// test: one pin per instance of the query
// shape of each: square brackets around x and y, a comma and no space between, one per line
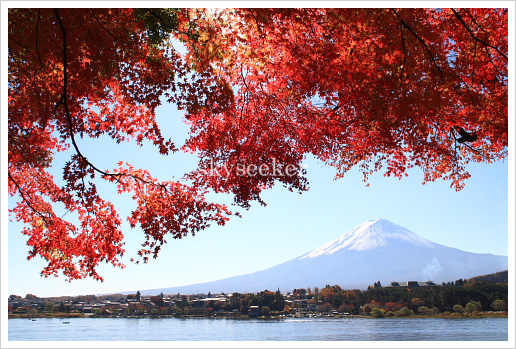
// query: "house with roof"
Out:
[254,310]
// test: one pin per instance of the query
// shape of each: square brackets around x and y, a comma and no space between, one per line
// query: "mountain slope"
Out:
[375,250]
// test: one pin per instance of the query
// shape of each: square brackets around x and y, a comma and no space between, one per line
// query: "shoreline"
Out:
[479,315]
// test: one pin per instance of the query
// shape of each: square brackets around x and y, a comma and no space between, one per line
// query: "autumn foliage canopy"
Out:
[382,89]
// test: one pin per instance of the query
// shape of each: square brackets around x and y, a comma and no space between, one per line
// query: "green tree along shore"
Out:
[472,298]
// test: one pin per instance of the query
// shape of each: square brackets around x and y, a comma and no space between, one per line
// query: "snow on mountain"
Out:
[375,250]
[370,235]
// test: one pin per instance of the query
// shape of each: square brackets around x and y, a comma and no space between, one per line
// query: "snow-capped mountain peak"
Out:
[369,235]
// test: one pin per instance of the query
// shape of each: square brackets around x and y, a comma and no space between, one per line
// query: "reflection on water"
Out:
[170,329]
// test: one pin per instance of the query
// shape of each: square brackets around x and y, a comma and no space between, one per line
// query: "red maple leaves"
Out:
[377,88]
[90,72]
[374,87]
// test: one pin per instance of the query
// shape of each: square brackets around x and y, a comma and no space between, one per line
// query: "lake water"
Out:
[331,329]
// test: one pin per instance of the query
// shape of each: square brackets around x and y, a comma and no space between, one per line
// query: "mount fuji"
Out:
[375,250]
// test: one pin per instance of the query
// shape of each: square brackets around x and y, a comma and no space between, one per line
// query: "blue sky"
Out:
[474,219]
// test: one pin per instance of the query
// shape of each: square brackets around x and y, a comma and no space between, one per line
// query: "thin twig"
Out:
[20,190]
[103,27]
[37,37]
[404,53]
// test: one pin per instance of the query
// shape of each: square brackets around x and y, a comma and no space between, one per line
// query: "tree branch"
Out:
[474,20]
[63,99]
[405,24]
[256,21]
[64,103]
[476,38]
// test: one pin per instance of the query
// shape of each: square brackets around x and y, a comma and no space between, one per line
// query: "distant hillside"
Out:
[500,277]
